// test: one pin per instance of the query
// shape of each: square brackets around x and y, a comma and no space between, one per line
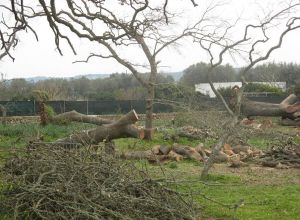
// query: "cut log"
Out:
[164,149]
[174,156]
[237,164]
[121,128]
[200,149]
[286,109]
[289,122]
[188,152]
[221,157]
[240,148]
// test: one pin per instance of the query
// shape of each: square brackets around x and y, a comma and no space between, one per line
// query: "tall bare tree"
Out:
[257,42]
[116,26]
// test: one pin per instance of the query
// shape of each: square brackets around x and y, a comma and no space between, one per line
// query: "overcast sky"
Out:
[41,58]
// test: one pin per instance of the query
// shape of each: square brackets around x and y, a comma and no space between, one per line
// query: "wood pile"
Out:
[160,153]
[282,156]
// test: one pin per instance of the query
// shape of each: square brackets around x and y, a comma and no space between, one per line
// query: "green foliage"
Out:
[255,87]
[260,143]
[252,87]
[226,92]
[271,72]
[40,95]
[102,96]
[197,73]
[175,92]
[294,89]
[49,111]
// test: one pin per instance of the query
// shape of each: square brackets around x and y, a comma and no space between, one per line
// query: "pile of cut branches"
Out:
[287,154]
[85,183]
[196,133]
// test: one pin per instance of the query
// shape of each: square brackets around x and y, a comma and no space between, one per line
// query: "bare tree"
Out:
[14,15]
[257,43]
[117,26]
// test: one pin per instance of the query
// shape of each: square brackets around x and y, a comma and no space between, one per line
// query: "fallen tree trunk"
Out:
[288,122]
[121,128]
[288,108]
[78,117]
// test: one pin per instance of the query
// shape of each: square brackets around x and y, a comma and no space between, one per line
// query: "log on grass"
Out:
[124,127]
[289,122]
[188,152]
[288,108]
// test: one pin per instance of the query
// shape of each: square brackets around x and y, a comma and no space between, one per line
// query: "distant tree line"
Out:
[115,87]
[125,87]
[284,72]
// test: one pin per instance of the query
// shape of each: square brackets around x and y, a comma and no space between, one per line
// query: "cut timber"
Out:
[164,149]
[188,152]
[121,128]
[288,108]
[76,116]
[289,122]
[200,149]
[174,156]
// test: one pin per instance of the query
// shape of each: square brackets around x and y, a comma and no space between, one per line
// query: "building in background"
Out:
[205,88]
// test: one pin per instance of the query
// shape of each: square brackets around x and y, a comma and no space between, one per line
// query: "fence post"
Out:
[64,106]
[87,106]
[34,110]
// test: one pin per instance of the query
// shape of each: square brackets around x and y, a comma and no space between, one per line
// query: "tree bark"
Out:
[216,150]
[288,122]
[121,128]
[288,108]
[149,130]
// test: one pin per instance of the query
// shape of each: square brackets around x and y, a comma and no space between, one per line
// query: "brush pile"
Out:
[284,156]
[51,182]
[196,133]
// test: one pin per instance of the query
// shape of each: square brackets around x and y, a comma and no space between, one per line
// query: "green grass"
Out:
[20,134]
[280,201]
[260,143]
[297,139]
[261,202]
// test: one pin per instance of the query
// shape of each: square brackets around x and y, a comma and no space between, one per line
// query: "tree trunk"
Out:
[121,128]
[216,150]
[42,113]
[288,108]
[149,130]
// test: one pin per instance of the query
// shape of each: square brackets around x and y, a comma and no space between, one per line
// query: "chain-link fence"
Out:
[29,108]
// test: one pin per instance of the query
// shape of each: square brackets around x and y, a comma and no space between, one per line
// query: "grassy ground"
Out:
[267,193]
